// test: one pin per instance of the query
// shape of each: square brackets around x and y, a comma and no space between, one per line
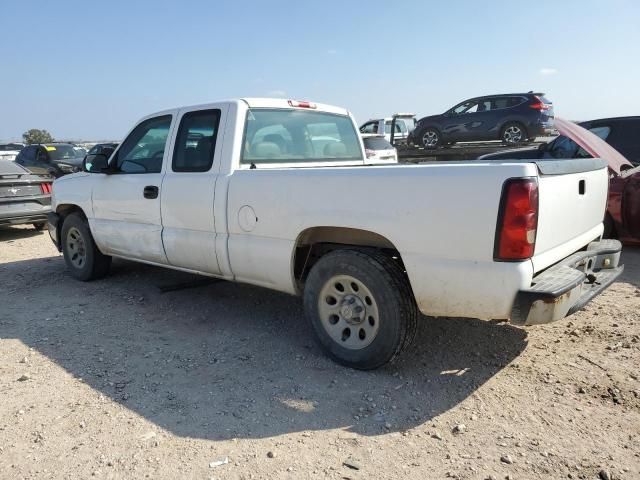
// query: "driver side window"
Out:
[143,150]
[466,107]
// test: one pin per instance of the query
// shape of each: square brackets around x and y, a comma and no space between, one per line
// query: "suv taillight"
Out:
[517,220]
[46,188]
[539,104]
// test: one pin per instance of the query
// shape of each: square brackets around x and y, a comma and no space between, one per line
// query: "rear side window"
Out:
[298,136]
[498,103]
[371,127]
[376,143]
[143,150]
[196,141]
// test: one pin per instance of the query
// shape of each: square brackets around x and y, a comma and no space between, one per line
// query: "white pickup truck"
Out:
[278,194]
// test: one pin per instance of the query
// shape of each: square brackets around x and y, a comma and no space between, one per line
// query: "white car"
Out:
[382,126]
[9,151]
[265,198]
[378,150]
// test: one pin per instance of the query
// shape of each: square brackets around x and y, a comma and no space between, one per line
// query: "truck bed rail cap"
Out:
[570,165]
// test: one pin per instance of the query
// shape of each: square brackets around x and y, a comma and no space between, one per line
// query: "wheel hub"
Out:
[76,248]
[352,309]
[348,312]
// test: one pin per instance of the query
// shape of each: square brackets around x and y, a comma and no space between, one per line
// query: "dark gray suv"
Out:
[513,118]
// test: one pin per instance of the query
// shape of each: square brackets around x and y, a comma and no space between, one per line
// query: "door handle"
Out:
[150,191]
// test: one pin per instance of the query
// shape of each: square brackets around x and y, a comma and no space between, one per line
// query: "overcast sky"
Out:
[88,70]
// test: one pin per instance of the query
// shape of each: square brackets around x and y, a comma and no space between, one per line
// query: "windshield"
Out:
[564,147]
[62,152]
[296,136]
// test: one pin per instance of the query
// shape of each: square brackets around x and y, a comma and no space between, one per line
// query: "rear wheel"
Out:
[513,133]
[83,259]
[430,138]
[39,226]
[361,308]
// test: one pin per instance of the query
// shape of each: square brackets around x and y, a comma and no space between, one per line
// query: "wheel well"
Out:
[64,211]
[315,242]
[430,127]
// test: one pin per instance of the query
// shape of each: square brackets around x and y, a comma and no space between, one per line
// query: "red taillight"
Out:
[46,188]
[517,220]
[296,103]
[539,105]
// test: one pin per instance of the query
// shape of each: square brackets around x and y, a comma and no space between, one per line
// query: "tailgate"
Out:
[572,203]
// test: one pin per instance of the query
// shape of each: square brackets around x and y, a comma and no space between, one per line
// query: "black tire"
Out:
[394,305]
[609,227]
[75,232]
[430,138]
[39,226]
[513,133]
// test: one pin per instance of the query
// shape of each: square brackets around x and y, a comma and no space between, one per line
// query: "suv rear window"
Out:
[298,136]
[376,143]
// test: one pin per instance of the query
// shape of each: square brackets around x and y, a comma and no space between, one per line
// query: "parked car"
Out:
[105,149]
[378,150]
[24,196]
[56,159]
[259,201]
[622,219]
[382,126]
[9,151]
[514,118]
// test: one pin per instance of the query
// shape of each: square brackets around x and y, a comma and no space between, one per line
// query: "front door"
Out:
[462,121]
[188,189]
[126,203]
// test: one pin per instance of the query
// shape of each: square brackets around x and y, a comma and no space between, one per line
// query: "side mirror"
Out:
[95,163]
[542,147]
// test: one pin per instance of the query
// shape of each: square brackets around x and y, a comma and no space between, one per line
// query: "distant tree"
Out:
[37,136]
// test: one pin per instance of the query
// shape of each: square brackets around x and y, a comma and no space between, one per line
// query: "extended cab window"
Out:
[298,136]
[143,149]
[196,141]
[371,127]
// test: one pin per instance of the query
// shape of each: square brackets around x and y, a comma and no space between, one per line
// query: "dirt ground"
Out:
[120,378]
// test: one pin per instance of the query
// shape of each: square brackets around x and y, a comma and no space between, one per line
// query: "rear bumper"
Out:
[53,219]
[568,286]
[22,210]
[23,219]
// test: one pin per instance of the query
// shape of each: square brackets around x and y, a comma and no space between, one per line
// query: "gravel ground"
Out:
[116,379]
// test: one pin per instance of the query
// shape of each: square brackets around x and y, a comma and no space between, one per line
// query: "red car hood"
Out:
[594,145]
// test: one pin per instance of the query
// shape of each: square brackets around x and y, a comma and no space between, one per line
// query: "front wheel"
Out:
[361,308]
[83,259]
[430,138]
